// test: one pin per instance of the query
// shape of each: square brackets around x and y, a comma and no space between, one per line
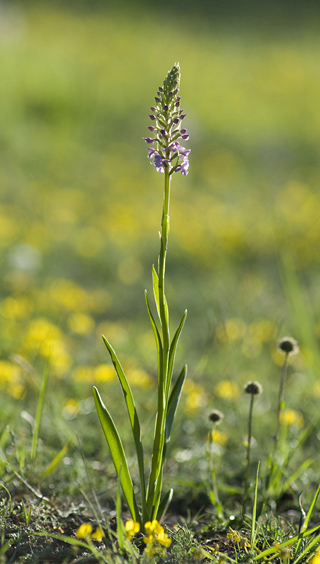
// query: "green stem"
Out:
[163,384]
[248,457]
[215,497]
[165,224]
[273,463]
[280,404]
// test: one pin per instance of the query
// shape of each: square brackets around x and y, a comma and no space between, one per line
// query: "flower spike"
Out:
[167,118]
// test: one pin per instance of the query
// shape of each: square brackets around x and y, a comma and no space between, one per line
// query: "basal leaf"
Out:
[117,453]
[133,416]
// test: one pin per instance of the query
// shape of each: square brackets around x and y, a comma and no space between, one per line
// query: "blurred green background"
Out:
[81,207]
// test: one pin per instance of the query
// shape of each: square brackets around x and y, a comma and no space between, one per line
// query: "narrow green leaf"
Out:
[56,460]
[308,517]
[254,511]
[172,407]
[155,331]
[174,400]
[64,538]
[158,489]
[295,475]
[35,434]
[173,349]
[165,502]
[133,416]
[120,531]
[117,453]
[73,541]
[155,282]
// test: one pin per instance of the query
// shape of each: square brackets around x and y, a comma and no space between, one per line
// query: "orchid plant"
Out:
[168,156]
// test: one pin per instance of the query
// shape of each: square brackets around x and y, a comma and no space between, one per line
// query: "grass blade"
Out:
[295,475]
[165,502]
[35,434]
[254,511]
[56,460]
[274,549]
[308,516]
[307,549]
[117,453]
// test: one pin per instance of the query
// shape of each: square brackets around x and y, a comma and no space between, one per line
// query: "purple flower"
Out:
[167,154]
[185,166]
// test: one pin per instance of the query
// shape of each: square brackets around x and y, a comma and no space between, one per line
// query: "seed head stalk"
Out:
[248,457]
[281,400]
[287,346]
[253,389]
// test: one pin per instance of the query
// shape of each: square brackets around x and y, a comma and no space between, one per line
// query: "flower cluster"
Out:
[85,531]
[156,537]
[236,538]
[166,120]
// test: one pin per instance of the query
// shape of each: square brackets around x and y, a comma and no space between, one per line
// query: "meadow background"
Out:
[80,212]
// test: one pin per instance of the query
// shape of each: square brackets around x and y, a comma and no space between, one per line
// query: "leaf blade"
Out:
[117,453]
[133,416]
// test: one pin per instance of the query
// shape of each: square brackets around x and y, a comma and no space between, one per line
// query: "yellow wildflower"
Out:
[81,323]
[316,558]
[84,531]
[131,527]
[291,417]
[163,539]
[155,532]
[233,535]
[227,389]
[83,374]
[70,408]
[15,308]
[98,534]
[219,437]
[232,330]
[139,377]
[152,527]
[104,373]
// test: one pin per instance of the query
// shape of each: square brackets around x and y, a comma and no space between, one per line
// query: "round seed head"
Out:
[253,388]
[216,416]
[288,345]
